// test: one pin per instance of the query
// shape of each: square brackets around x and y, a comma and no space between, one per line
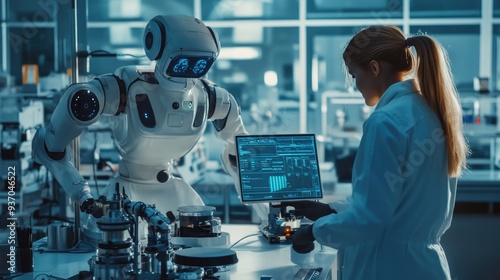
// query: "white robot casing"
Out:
[156,117]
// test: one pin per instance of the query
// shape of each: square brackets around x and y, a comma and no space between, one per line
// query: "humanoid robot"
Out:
[156,117]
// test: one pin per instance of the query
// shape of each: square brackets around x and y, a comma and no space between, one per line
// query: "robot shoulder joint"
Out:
[103,95]
[219,101]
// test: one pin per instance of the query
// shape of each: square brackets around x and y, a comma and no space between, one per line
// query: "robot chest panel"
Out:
[157,112]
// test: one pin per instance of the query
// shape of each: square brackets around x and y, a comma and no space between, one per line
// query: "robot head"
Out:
[182,46]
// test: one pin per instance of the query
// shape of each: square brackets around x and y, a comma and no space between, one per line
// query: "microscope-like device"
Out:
[115,258]
[281,224]
[120,254]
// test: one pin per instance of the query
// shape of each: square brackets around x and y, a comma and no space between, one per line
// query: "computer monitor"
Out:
[276,168]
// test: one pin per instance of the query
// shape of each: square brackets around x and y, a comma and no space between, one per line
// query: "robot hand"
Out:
[94,207]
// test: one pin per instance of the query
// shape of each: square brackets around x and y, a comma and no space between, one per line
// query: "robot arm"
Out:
[149,213]
[79,107]
[225,114]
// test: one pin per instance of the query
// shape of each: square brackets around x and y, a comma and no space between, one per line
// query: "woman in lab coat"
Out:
[404,174]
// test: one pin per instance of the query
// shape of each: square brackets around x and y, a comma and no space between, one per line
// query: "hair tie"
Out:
[407,43]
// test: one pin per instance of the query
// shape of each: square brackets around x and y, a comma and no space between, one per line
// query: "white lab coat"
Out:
[402,198]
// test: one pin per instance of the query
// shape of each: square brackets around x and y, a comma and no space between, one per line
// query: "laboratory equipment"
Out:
[278,168]
[198,221]
[280,225]
[308,274]
[209,260]
[156,116]
[197,227]
[24,235]
[19,120]
[342,118]
[121,254]
[60,236]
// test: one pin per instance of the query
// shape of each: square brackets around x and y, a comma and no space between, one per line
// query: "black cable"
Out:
[103,53]
[41,275]
[131,55]
[50,277]
[53,194]
[73,250]
[254,234]
[94,164]
[98,52]
[86,54]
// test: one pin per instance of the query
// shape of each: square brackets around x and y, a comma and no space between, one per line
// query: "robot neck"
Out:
[175,84]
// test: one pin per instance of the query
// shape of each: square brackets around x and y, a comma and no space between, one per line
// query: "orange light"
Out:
[30,74]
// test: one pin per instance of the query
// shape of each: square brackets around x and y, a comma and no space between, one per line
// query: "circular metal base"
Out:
[205,257]
[218,241]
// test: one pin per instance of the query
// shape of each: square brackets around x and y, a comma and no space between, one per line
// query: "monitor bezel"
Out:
[278,200]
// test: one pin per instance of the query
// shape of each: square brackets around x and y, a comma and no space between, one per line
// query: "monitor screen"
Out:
[280,167]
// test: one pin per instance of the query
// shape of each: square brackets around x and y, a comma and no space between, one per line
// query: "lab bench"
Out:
[217,189]
[479,186]
[256,258]
[482,139]
[474,186]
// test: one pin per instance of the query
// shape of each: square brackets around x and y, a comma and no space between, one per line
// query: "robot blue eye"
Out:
[189,66]
[200,66]
[181,66]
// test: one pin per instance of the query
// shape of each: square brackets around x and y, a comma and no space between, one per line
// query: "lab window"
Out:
[259,66]
[327,9]
[444,8]
[139,10]
[249,10]
[461,42]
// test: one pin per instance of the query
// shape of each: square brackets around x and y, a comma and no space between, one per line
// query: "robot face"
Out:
[182,46]
[189,66]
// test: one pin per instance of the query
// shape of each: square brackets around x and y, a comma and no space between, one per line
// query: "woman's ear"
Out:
[374,67]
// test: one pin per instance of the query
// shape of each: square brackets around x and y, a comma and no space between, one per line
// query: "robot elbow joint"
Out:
[84,105]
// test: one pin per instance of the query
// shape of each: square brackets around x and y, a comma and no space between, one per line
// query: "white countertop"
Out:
[256,256]
[480,177]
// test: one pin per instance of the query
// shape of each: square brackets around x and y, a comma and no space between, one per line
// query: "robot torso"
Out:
[159,125]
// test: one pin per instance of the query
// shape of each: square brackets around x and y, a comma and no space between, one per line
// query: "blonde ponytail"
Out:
[437,87]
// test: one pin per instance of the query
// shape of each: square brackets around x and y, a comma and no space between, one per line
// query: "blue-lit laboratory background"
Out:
[282,61]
